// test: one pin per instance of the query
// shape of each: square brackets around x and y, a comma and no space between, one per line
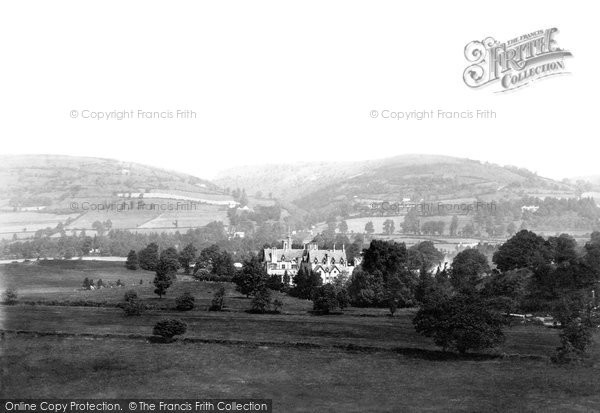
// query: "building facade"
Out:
[327,263]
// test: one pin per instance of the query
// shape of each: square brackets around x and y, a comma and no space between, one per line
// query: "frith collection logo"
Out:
[515,63]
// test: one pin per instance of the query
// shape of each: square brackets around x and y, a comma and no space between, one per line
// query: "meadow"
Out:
[360,361]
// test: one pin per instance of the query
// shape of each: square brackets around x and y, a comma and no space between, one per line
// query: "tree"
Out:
[274,282]
[132,261]
[187,256]
[454,225]
[87,284]
[169,260]
[165,272]
[369,228]
[411,223]
[387,257]
[148,257]
[467,269]
[218,300]
[261,303]
[215,261]
[562,249]
[389,226]
[305,282]
[461,323]
[575,338]
[524,250]
[243,198]
[505,291]
[252,277]
[397,293]
[185,302]
[167,329]
[133,306]
[343,227]
[325,299]
[366,289]
[424,256]
[511,228]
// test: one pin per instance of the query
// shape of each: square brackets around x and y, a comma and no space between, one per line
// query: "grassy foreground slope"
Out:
[298,380]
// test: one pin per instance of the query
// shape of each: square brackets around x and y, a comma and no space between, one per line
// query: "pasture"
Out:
[199,215]
[25,224]
[359,361]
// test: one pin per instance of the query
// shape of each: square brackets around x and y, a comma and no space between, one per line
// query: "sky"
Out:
[278,82]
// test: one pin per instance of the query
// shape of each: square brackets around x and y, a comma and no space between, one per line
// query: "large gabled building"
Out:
[327,263]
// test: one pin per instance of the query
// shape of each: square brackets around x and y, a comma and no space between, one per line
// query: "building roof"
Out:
[289,255]
[320,255]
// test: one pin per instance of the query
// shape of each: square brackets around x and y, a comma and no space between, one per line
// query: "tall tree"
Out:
[148,257]
[454,225]
[132,261]
[187,256]
[165,272]
[524,250]
[169,259]
[305,282]
[468,268]
[252,278]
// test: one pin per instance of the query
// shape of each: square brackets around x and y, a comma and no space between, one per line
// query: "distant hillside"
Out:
[47,180]
[42,192]
[418,177]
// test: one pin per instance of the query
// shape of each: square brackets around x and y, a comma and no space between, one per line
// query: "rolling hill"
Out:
[41,191]
[418,177]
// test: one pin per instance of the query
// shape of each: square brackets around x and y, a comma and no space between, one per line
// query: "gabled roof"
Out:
[289,255]
[320,254]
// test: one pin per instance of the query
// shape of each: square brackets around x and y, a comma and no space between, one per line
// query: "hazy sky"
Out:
[275,81]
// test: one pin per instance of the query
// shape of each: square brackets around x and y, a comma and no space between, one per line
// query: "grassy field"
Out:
[15,222]
[361,361]
[200,216]
[298,380]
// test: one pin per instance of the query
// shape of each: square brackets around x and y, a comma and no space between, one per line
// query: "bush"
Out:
[130,295]
[167,329]
[10,296]
[218,300]
[185,302]
[133,307]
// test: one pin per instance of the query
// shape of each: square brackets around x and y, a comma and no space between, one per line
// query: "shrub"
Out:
[185,302]
[10,296]
[130,295]
[218,299]
[167,329]
[133,307]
